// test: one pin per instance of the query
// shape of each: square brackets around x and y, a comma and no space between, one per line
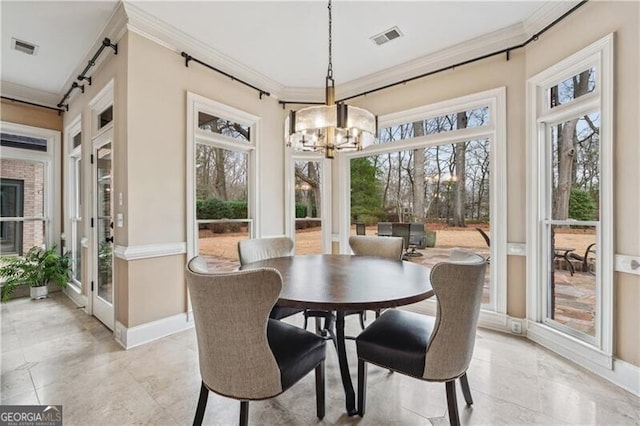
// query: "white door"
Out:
[102,285]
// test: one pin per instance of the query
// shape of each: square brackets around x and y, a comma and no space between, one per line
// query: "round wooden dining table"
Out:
[340,283]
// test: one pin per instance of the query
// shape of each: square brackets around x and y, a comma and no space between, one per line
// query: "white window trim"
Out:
[291,157]
[73,154]
[52,164]
[599,54]
[99,137]
[496,131]
[195,104]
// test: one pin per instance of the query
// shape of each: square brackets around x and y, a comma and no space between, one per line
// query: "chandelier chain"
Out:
[330,68]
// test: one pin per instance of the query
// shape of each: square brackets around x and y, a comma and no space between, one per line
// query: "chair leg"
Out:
[306,319]
[452,403]
[362,386]
[378,312]
[244,413]
[320,402]
[202,405]
[362,319]
[466,391]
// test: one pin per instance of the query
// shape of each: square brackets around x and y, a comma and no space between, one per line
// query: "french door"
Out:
[102,284]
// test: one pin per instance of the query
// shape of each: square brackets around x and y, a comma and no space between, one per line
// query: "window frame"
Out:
[72,176]
[195,105]
[539,117]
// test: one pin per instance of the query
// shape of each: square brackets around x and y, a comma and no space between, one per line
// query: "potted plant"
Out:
[37,268]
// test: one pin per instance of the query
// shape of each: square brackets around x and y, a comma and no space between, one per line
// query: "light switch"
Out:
[119,219]
[120,198]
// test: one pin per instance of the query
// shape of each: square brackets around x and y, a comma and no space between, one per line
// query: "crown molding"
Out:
[114,29]
[302,94]
[492,42]
[28,94]
[166,35]
[548,12]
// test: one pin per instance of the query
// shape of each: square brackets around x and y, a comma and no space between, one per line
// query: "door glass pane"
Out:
[105,224]
[442,191]
[572,279]
[575,169]
[221,204]
[76,220]
[308,203]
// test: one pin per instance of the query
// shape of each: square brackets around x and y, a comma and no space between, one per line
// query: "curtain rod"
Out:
[83,75]
[32,104]
[459,64]
[188,58]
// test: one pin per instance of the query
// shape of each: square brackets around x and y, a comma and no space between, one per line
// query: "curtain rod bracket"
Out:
[187,58]
[107,43]
[82,77]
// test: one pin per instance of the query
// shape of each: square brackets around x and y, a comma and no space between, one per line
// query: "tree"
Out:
[566,145]
[418,181]
[366,190]
[460,153]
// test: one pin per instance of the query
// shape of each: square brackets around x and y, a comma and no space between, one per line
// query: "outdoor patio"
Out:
[574,294]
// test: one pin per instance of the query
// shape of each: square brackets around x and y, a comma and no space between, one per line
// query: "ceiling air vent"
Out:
[24,46]
[386,36]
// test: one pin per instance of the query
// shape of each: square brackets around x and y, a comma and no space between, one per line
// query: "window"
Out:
[571,256]
[11,206]
[437,166]
[221,153]
[75,201]
[105,117]
[28,182]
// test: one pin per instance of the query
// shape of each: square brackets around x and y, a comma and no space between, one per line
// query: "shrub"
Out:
[238,208]
[581,205]
[213,208]
[301,210]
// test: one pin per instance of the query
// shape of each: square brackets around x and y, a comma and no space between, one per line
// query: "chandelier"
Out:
[333,126]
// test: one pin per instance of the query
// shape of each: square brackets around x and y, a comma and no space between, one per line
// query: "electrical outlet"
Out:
[516,327]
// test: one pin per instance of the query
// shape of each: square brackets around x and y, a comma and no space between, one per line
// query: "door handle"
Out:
[109,239]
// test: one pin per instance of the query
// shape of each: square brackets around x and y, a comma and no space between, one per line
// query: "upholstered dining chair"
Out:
[258,249]
[429,348]
[244,354]
[386,247]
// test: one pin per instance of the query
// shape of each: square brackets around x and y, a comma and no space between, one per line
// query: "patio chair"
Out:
[257,249]
[243,354]
[429,348]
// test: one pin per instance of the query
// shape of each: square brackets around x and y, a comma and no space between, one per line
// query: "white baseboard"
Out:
[135,336]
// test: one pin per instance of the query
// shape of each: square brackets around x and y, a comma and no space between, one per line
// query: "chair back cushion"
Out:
[458,285]
[264,248]
[231,313]
[387,247]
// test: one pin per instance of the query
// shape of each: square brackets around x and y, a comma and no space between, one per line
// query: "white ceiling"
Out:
[285,42]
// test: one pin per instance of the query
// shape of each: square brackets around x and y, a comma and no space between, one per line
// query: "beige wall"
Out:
[18,113]
[592,22]
[156,165]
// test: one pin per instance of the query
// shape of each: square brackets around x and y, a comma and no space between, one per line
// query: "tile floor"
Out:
[52,353]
